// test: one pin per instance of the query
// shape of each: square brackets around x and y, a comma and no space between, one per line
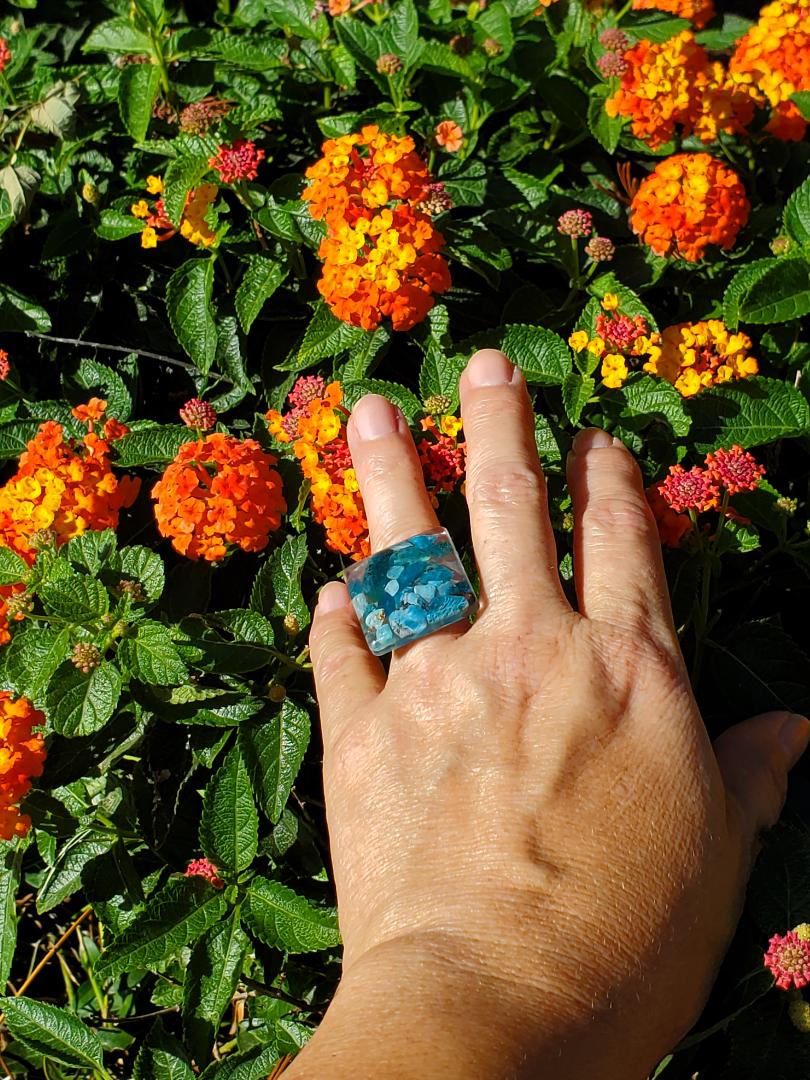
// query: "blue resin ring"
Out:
[410,590]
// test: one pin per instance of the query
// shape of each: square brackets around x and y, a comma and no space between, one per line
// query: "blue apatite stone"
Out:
[408,590]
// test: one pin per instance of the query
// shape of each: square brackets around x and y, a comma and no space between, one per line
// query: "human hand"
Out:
[539,856]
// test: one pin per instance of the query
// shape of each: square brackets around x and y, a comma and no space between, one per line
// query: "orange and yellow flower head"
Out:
[671,87]
[316,426]
[381,252]
[688,203]
[219,493]
[193,224]
[693,356]
[698,12]
[22,755]
[772,62]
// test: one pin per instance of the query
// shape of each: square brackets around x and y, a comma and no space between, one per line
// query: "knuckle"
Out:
[508,485]
[619,514]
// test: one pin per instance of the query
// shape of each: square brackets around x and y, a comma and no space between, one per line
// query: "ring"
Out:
[410,590]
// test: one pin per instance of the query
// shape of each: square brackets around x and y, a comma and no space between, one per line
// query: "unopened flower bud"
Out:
[91,194]
[85,656]
[389,64]
[462,44]
[600,249]
[612,65]
[781,245]
[492,47]
[198,414]
[789,507]
[802,931]
[291,625]
[437,404]
[19,604]
[615,40]
[436,200]
[276,693]
[575,223]
[42,539]
[799,1013]
[133,589]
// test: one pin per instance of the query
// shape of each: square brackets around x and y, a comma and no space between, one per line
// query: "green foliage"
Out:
[176,693]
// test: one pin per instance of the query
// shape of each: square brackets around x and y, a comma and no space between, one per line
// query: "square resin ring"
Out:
[407,591]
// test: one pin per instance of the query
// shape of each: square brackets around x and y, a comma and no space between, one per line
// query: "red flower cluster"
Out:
[5,366]
[443,457]
[206,869]
[219,492]
[239,161]
[788,958]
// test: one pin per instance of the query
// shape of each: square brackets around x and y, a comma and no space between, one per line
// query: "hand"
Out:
[539,856]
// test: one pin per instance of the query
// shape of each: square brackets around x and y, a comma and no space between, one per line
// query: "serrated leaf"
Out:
[18,313]
[30,660]
[654,26]
[211,977]
[751,413]
[273,749]
[183,910]
[80,703]
[607,130]
[117,35]
[801,99]
[644,399]
[284,920]
[76,598]
[196,704]
[402,29]
[779,293]
[325,336]
[576,390]
[162,1057]
[630,303]
[188,304]
[92,375]
[262,277]
[143,565]
[182,174]
[229,828]
[542,355]
[156,445]
[9,883]
[137,90]
[739,286]
[779,890]
[55,1033]
[797,214]
[73,861]
[152,656]
[55,113]
[364,354]
[760,668]
[400,395]
[286,566]
[116,225]
[13,569]
[255,1064]
[20,183]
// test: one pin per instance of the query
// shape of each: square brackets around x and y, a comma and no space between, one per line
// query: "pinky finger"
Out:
[347,676]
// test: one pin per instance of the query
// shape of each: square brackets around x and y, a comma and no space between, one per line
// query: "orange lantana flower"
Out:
[687,203]
[449,136]
[22,754]
[219,492]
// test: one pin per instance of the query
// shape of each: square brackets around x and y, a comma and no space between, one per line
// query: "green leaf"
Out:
[761,668]
[273,749]
[183,910]
[197,704]
[18,313]
[654,26]
[779,293]
[211,978]
[182,174]
[739,286]
[9,883]
[76,598]
[797,213]
[117,35]
[92,375]
[607,130]
[152,656]
[750,412]
[143,565]
[325,336]
[576,390]
[255,1064]
[400,395]
[72,864]
[79,703]
[779,890]
[262,277]
[801,99]
[137,90]
[55,112]
[116,225]
[55,1033]
[286,566]
[285,920]
[156,445]
[229,828]
[188,304]
[542,355]
[629,302]
[364,354]
[30,660]
[13,569]
[161,1056]
[644,399]
[402,29]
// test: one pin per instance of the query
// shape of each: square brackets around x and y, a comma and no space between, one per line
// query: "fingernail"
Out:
[489,368]
[332,596]
[592,439]
[794,736]
[374,416]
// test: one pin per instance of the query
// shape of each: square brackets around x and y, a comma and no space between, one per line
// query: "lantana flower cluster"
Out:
[316,426]
[672,84]
[620,341]
[696,355]
[193,225]
[687,203]
[772,62]
[218,493]
[684,494]
[442,455]
[381,252]
[22,756]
